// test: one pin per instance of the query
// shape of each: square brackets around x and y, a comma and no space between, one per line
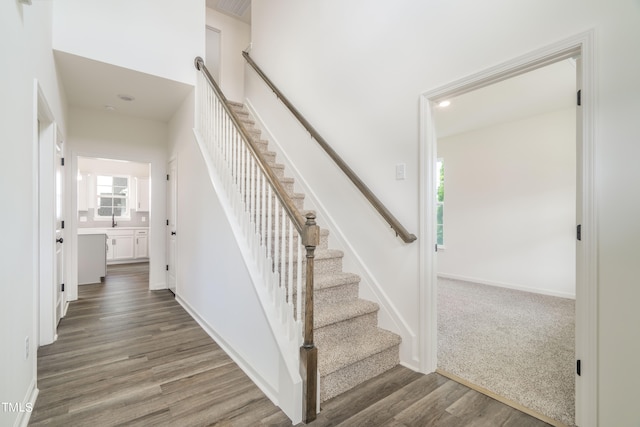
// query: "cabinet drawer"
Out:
[117,233]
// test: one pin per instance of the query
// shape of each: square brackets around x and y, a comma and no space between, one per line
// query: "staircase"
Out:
[351,347]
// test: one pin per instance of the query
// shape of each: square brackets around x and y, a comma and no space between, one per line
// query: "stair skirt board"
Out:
[351,347]
[290,380]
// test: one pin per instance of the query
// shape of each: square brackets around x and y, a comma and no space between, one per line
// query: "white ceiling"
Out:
[546,89]
[93,84]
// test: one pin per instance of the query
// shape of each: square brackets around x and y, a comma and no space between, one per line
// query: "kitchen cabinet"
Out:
[142,195]
[142,244]
[82,193]
[92,265]
[120,244]
[124,244]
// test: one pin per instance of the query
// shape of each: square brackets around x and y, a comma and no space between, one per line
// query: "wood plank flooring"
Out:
[129,356]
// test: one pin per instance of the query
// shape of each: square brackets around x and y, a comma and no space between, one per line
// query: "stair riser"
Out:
[321,266]
[334,294]
[350,376]
[350,327]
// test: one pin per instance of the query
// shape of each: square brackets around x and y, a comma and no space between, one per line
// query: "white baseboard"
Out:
[158,286]
[508,286]
[28,404]
[238,358]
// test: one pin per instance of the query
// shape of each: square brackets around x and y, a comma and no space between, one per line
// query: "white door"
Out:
[172,209]
[59,218]
[212,55]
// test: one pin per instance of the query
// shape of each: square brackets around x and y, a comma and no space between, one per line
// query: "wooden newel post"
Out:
[308,351]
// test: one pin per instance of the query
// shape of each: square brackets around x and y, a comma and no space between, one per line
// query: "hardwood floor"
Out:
[129,356]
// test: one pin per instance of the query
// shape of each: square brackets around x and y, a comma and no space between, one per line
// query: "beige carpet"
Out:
[517,344]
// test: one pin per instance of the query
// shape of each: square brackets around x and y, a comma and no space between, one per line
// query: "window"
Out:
[440,202]
[113,196]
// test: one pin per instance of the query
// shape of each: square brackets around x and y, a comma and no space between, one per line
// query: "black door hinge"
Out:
[62,225]
[580,97]
[167,222]
[167,177]
[578,368]
[62,161]
[579,232]
[436,247]
[167,268]
[62,287]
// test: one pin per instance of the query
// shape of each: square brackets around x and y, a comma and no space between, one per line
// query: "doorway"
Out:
[586,286]
[50,237]
[113,215]
[506,235]
[213,52]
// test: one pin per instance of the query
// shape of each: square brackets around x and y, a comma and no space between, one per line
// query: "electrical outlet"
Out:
[143,219]
[26,347]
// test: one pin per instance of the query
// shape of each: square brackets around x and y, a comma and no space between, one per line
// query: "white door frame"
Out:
[45,132]
[172,224]
[586,251]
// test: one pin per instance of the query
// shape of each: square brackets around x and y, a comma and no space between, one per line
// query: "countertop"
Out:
[105,230]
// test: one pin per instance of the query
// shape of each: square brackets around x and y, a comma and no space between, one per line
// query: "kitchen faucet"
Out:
[113,220]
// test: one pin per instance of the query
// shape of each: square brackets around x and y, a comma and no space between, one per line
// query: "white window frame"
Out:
[126,198]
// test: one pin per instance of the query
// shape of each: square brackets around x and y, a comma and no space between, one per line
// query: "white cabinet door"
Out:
[142,194]
[123,247]
[142,244]
[82,193]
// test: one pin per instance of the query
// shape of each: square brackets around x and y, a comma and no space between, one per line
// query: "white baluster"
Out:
[290,270]
[299,283]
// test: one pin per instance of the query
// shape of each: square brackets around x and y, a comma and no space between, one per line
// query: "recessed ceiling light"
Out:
[444,104]
[110,108]
[125,97]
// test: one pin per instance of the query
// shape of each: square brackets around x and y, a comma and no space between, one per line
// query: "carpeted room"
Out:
[506,265]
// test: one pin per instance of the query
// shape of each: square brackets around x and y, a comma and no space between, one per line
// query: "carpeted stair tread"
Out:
[341,353]
[341,311]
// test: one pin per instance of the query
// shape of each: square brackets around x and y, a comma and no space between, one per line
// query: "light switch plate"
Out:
[401,171]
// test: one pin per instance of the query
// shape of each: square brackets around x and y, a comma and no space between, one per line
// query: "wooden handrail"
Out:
[368,194]
[310,238]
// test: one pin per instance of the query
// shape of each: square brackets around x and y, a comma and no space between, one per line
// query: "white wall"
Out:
[510,204]
[235,36]
[212,279]
[356,70]
[25,45]
[94,133]
[158,37]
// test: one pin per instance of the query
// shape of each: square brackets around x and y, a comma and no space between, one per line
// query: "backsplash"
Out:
[138,219]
